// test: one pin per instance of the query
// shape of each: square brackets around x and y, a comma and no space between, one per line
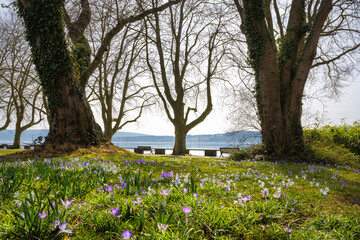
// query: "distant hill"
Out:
[28,136]
[244,136]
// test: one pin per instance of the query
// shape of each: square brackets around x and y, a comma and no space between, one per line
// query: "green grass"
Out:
[217,209]
[7,152]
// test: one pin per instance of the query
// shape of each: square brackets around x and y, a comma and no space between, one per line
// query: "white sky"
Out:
[347,109]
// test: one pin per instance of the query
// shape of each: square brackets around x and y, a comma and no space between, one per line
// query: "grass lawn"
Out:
[123,197]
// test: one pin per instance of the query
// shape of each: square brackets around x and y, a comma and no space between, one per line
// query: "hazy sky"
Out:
[347,108]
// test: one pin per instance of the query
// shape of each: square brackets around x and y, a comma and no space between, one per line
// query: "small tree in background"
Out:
[184,49]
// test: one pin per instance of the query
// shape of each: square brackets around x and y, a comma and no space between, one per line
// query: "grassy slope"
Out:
[214,215]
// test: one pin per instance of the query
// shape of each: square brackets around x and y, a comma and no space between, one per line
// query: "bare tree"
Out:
[118,85]
[19,79]
[63,77]
[6,107]
[286,41]
[183,51]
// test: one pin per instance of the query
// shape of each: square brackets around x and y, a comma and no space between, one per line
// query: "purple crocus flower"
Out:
[343,183]
[137,201]
[187,210]
[227,188]
[162,227]
[115,212]
[201,185]
[167,175]
[265,192]
[184,190]
[277,195]
[165,192]
[67,203]
[110,189]
[42,215]
[245,199]
[287,230]
[63,229]
[126,234]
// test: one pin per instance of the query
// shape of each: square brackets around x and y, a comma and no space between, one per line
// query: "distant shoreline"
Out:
[130,140]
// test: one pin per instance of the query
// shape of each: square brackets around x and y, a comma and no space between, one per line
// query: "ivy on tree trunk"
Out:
[281,68]
[71,119]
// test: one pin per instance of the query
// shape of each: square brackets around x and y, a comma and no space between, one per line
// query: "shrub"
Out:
[329,152]
[247,153]
[346,135]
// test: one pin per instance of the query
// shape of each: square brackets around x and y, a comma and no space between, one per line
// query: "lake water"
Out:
[196,146]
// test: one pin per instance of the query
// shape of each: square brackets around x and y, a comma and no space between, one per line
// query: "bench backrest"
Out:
[227,149]
[144,148]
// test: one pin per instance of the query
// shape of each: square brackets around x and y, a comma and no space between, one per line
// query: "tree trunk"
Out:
[108,129]
[180,139]
[282,131]
[281,70]
[71,119]
[16,142]
[268,100]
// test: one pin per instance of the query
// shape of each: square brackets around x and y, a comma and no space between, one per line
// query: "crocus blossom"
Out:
[187,210]
[126,234]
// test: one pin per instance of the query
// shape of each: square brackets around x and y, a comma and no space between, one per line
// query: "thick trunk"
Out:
[108,129]
[71,119]
[19,117]
[180,129]
[292,111]
[281,130]
[281,71]
[180,139]
[16,142]
[268,96]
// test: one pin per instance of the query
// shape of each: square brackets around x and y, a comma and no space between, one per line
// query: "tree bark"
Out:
[180,137]
[71,119]
[281,70]
[17,136]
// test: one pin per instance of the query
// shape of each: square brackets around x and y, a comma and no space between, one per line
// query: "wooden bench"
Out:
[227,150]
[141,149]
[160,151]
[210,153]
[6,146]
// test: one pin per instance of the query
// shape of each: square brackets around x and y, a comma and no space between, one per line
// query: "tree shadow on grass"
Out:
[65,150]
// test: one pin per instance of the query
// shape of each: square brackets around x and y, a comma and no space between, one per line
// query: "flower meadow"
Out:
[151,197]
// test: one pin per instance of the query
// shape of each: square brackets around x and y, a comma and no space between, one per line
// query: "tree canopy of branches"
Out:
[183,53]
[6,107]
[64,73]
[19,79]
[118,85]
